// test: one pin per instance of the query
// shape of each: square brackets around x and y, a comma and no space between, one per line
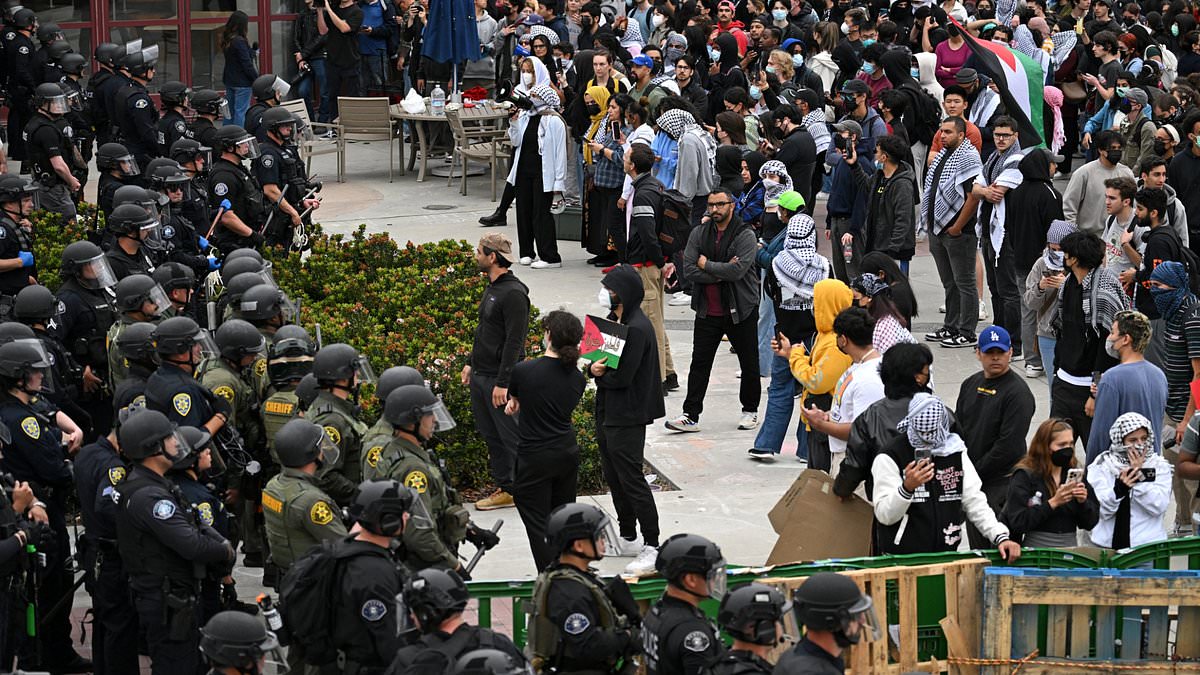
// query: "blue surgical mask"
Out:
[1175,30]
[771,69]
[714,54]
[915,72]
[755,93]
[868,42]
[868,67]
[797,60]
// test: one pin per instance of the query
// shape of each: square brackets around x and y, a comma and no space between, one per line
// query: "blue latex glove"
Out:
[203,243]
[213,263]
[226,204]
[26,258]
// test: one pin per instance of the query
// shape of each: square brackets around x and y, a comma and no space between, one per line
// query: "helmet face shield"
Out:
[176,449]
[718,580]
[364,372]
[223,108]
[75,101]
[442,419]
[57,105]
[247,148]
[327,451]
[158,297]
[860,620]
[128,165]
[281,88]
[97,273]
[208,346]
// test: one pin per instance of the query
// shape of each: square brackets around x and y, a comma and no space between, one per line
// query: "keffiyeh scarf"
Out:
[598,131]
[798,267]
[960,164]
[675,122]
[927,426]
[1124,425]
[546,32]
[817,127]
[1169,300]
[1053,98]
[1103,297]
[870,285]
[633,37]
[546,95]
[1001,169]
[771,187]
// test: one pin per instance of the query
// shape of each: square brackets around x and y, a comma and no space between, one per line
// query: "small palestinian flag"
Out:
[603,339]
[1019,80]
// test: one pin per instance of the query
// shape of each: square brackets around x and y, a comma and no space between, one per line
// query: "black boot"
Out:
[498,218]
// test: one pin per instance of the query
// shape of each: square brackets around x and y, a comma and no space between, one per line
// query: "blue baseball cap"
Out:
[994,337]
[643,61]
[789,42]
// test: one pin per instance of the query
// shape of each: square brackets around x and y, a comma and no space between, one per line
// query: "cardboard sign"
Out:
[815,524]
[603,339]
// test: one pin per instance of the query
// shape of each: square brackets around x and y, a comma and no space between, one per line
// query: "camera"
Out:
[505,93]
[841,142]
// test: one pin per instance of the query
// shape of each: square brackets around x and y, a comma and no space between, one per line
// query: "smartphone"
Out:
[615,129]
[1149,475]
[1074,475]
[1051,273]
[922,453]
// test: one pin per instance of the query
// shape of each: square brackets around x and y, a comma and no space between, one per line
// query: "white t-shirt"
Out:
[856,389]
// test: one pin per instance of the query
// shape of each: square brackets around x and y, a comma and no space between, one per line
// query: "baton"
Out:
[271,215]
[225,206]
[480,551]
[310,209]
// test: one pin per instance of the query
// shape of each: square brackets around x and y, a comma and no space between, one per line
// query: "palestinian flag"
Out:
[1020,81]
[603,339]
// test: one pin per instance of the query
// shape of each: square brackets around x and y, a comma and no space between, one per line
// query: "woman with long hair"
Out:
[875,295]
[1047,501]
[605,174]
[240,71]
[545,391]
[884,267]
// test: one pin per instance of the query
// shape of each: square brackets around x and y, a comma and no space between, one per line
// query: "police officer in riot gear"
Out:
[382,432]
[36,307]
[99,468]
[235,643]
[210,107]
[290,358]
[340,371]
[134,113]
[579,623]
[172,126]
[268,309]
[50,152]
[677,638]
[50,41]
[753,616]
[135,345]
[235,288]
[236,263]
[835,614]
[238,226]
[180,240]
[118,168]
[268,91]
[78,115]
[22,80]
[163,543]
[298,514]
[100,86]
[306,393]
[173,389]
[281,174]
[87,314]
[194,160]
[436,599]
[131,227]
[138,298]
[179,281]
[51,70]
[17,266]
[489,662]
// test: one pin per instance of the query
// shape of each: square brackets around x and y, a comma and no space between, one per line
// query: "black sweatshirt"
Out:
[503,323]
[1027,511]
[993,418]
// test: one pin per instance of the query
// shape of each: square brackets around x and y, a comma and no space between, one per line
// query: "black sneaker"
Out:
[939,334]
[497,218]
[958,341]
[671,383]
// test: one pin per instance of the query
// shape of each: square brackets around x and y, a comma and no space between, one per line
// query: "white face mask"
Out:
[527,79]
[657,20]
[1111,350]
[605,298]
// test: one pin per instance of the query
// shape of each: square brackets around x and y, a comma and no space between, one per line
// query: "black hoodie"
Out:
[1030,207]
[923,110]
[632,394]
[503,325]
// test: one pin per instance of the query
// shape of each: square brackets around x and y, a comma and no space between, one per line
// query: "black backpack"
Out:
[925,112]
[307,598]
[1191,261]
[675,223]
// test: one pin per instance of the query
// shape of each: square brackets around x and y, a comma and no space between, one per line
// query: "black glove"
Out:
[221,405]
[463,573]
[256,238]
[622,599]
[484,539]
[40,535]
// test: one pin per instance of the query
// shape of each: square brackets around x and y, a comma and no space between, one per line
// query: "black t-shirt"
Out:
[342,48]
[548,393]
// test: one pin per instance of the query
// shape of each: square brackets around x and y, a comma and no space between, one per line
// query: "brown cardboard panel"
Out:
[815,524]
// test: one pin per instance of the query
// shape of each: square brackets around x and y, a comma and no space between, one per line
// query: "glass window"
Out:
[166,36]
[208,62]
[49,12]
[130,10]
[283,59]
[81,41]
[222,8]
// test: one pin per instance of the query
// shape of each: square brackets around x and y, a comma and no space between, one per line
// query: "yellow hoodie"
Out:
[819,371]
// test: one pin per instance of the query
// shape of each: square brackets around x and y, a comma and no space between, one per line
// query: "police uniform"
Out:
[165,549]
[411,465]
[575,627]
[253,119]
[18,60]
[98,471]
[339,417]
[298,516]
[739,662]
[179,396]
[365,609]
[82,132]
[113,89]
[97,106]
[376,440]
[106,190]
[258,375]
[229,180]
[65,376]
[118,366]
[223,381]
[182,241]
[171,127]
[45,140]
[806,658]
[13,240]
[678,639]
[280,407]
[124,264]
[210,511]
[137,122]
[86,316]
[279,165]
[204,131]
[195,207]
[131,390]
[438,651]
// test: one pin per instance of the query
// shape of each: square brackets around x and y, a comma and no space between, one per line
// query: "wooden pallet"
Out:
[1084,608]
[963,579]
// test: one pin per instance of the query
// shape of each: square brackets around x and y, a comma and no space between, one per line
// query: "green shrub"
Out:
[50,237]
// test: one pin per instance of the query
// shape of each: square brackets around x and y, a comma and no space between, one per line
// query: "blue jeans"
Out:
[780,403]
[371,72]
[1046,347]
[904,267]
[319,111]
[239,103]
[766,331]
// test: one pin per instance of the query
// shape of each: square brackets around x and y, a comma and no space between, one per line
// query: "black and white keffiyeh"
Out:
[817,127]
[927,426]
[1103,297]
[1123,426]
[948,195]
[546,94]
[798,267]
[675,122]
[771,187]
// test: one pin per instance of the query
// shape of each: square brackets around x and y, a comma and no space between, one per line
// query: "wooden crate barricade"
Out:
[963,579]
[1083,611]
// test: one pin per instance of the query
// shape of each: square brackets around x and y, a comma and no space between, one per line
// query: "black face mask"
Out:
[593,109]
[1113,156]
[985,14]
[1125,106]
[1160,148]
[1062,458]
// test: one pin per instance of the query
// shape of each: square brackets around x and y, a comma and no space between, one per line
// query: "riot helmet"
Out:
[86,263]
[684,553]
[107,53]
[380,506]
[434,595]
[146,433]
[140,293]
[136,343]
[752,613]
[15,189]
[73,63]
[262,303]
[291,355]
[50,98]
[395,377]
[831,602]
[407,405]
[490,662]
[21,360]
[270,87]
[116,157]
[237,339]
[209,102]
[175,93]
[36,304]
[279,118]
[300,442]
[306,391]
[236,140]
[237,640]
[340,361]
[569,523]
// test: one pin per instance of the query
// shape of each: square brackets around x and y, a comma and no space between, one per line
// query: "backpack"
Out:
[1191,261]
[925,113]
[307,600]
[675,223]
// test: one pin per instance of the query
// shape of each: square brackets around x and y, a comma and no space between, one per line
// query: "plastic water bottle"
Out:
[848,252]
[437,100]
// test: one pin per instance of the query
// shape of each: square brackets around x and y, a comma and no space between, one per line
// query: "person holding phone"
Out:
[1133,486]
[1048,497]
[921,507]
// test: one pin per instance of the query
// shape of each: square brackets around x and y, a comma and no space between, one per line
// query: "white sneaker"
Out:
[620,547]
[526,260]
[982,311]
[543,265]
[643,564]
[942,309]
[749,421]
[680,299]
